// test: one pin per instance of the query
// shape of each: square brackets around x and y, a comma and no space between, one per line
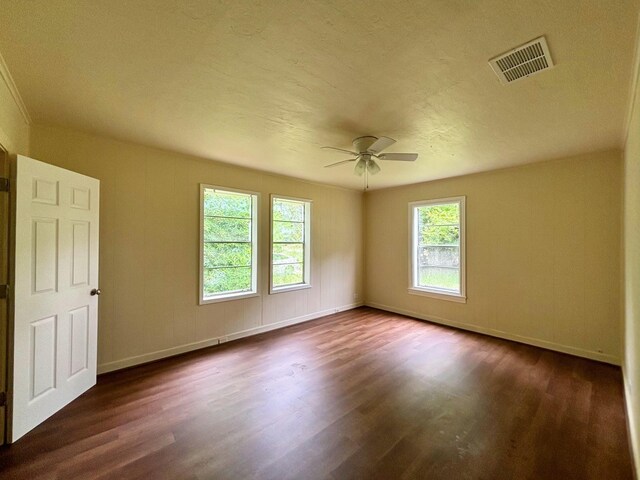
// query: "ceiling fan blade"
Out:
[380,144]
[373,167]
[340,163]
[403,157]
[361,166]
[341,150]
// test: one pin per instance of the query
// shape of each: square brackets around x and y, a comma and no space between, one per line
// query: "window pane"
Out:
[222,280]
[288,210]
[227,230]
[440,236]
[287,274]
[227,204]
[439,256]
[448,278]
[440,214]
[288,232]
[227,255]
[288,253]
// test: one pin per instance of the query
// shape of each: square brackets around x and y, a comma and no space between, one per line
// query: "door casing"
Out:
[4,280]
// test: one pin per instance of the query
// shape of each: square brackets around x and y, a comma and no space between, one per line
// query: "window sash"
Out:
[230,217]
[417,264]
[250,267]
[420,266]
[225,241]
[304,242]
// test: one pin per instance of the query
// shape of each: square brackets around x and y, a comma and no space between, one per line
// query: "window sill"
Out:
[226,298]
[439,294]
[289,288]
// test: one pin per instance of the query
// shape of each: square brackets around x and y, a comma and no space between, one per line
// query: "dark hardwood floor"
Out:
[360,394]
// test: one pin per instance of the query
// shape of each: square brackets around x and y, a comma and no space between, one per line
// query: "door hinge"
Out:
[3,399]
[4,291]
[4,184]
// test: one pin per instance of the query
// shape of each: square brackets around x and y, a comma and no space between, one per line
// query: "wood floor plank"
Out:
[360,394]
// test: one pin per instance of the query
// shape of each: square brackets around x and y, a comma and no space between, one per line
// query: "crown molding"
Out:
[8,80]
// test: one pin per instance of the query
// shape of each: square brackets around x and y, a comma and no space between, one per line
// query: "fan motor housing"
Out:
[362,144]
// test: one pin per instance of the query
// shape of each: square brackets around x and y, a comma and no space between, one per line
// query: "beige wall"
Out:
[149,209]
[631,364]
[543,254]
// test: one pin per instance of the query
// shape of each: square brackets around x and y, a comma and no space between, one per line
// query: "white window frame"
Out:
[307,246]
[254,292]
[434,292]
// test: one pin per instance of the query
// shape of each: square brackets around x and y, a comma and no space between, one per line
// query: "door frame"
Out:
[5,256]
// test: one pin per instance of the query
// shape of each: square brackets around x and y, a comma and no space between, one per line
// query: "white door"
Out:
[55,290]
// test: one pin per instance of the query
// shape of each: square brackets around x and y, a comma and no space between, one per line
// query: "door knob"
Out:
[95,291]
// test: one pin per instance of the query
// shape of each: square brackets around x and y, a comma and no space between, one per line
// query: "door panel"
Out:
[45,255]
[43,352]
[79,319]
[56,267]
[80,252]
[45,191]
[80,198]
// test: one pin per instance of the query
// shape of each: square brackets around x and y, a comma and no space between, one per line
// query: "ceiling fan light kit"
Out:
[367,150]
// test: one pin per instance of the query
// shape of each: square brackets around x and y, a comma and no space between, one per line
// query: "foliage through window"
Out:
[437,247]
[229,234]
[290,243]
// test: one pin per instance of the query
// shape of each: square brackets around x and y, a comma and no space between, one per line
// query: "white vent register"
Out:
[526,60]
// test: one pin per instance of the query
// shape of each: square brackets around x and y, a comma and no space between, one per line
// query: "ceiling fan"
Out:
[367,150]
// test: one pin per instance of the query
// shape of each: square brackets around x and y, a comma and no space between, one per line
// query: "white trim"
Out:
[306,274]
[441,294]
[226,297]
[255,290]
[579,352]
[8,80]
[444,295]
[635,74]
[189,347]
[634,441]
[157,355]
[285,323]
[290,288]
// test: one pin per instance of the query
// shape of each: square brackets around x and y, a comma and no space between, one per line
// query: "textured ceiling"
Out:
[264,84]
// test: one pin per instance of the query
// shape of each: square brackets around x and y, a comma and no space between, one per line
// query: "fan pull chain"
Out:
[366,177]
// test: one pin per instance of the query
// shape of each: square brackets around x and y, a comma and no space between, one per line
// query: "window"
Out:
[228,247]
[290,243]
[438,248]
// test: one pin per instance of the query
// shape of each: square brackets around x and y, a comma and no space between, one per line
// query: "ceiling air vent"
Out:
[523,61]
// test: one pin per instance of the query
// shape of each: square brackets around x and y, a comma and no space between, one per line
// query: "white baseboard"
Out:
[286,323]
[170,352]
[157,355]
[602,357]
[634,441]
